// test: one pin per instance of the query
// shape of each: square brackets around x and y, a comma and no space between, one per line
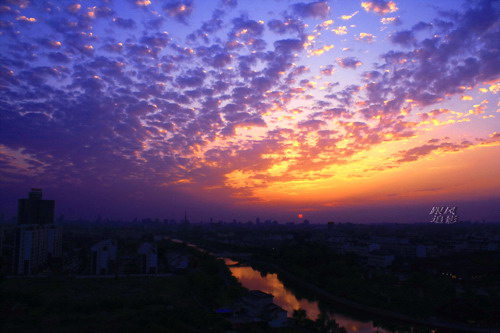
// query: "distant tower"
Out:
[38,240]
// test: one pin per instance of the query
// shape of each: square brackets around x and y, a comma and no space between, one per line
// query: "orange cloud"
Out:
[367,37]
[348,17]
[26,19]
[143,3]
[340,30]
[388,20]
[320,51]
[380,6]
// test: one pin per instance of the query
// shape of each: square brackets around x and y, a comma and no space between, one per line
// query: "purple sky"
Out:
[362,111]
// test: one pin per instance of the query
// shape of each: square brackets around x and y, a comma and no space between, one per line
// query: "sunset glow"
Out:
[155,107]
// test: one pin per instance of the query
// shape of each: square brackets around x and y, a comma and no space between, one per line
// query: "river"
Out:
[253,279]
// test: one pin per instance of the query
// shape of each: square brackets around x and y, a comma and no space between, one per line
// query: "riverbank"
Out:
[444,325]
[441,324]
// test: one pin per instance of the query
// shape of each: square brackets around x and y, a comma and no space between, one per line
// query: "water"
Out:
[252,279]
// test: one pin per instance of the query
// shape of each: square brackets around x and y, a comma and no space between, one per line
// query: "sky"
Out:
[340,110]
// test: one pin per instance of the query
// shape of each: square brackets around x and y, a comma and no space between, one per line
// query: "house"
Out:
[148,258]
[177,262]
[258,306]
[103,257]
[255,302]
[275,316]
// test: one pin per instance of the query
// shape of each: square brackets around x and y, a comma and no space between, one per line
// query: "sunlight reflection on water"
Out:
[269,283]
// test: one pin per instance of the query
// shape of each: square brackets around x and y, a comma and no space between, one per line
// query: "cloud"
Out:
[327,70]
[404,38]
[48,43]
[73,8]
[366,37]
[348,17]
[317,9]
[180,10]
[288,45]
[431,62]
[349,62]
[142,3]
[124,23]
[333,113]
[25,19]
[417,153]
[342,30]
[380,6]
[85,102]
[58,57]
[289,25]
[390,20]
[99,12]
[312,124]
[230,3]
[246,30]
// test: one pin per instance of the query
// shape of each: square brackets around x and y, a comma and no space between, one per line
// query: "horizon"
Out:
[361,111]
[297,220]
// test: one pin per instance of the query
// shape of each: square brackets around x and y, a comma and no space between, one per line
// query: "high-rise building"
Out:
[34,210]
[38,241]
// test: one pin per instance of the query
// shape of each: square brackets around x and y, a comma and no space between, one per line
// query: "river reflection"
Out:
[251,279]
[269,283]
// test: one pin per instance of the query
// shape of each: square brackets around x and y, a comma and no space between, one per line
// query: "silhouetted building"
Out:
[38,241]
[255,302]
[103,257]
[380,258]
[7,239]
[177,262]
[149,258]
[259,306]
[34,210]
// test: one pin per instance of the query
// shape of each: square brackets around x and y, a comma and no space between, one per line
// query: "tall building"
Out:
[38,241]
[34,210]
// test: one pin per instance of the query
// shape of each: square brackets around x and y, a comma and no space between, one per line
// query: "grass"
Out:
[151,304]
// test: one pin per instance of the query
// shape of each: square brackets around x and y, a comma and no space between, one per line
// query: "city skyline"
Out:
[361,111]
